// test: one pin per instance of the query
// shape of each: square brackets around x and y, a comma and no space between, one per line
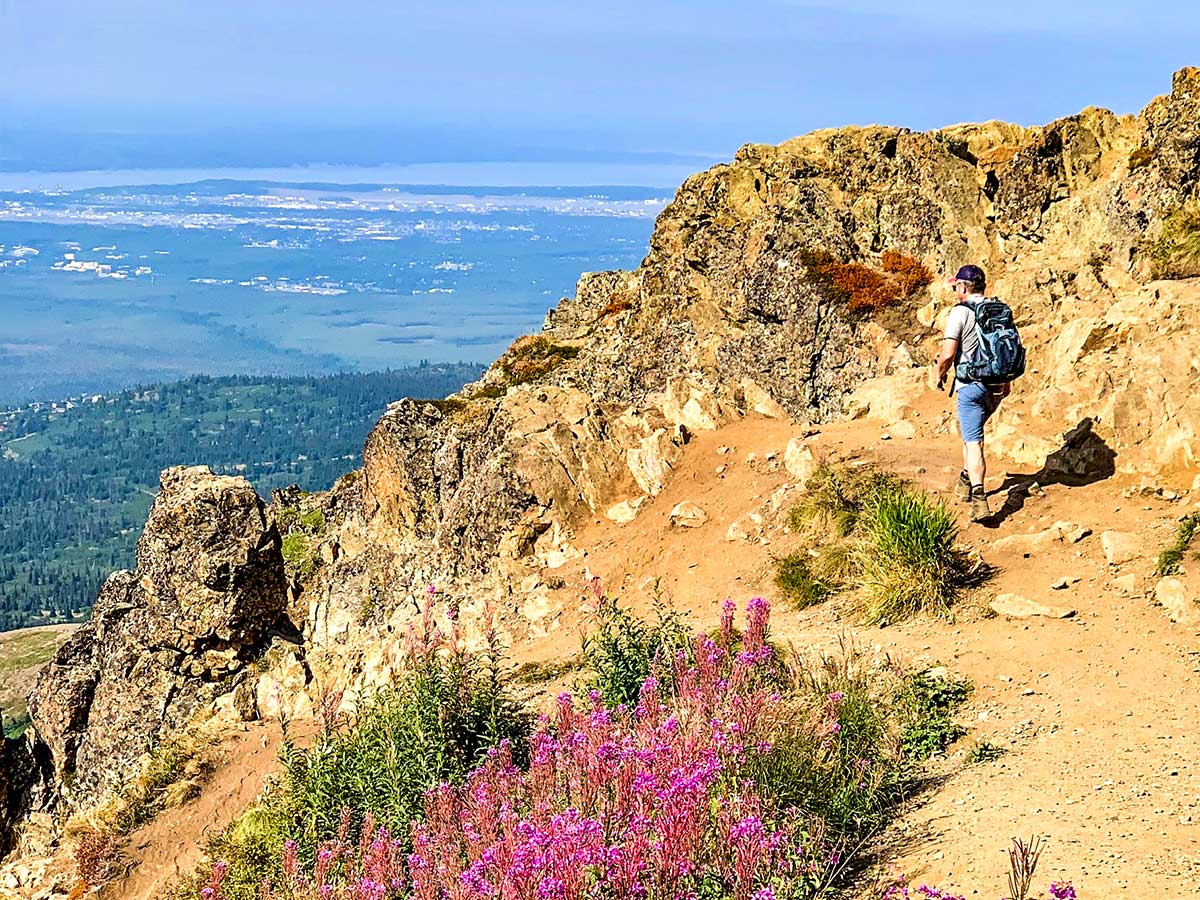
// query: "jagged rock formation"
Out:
[727,315]
[165,640]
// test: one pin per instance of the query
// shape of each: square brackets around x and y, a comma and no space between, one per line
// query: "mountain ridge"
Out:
[765,293]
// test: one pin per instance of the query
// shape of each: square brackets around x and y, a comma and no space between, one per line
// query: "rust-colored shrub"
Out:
[97,858]
[615,306]
[532,356]
[865,289]
[1140,158]
[910,275]
[860,287]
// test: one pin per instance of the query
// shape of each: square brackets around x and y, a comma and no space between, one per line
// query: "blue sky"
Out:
[490,80]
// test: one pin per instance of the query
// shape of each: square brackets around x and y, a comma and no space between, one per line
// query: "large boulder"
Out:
[163,640]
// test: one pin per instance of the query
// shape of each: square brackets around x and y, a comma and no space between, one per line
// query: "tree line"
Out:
[76,483]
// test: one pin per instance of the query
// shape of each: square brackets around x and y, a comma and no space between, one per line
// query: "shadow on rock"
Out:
[1084,458]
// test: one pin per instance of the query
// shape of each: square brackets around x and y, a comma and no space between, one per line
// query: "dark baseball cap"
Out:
[970,273]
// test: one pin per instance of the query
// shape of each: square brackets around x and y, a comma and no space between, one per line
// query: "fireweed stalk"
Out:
[647,802]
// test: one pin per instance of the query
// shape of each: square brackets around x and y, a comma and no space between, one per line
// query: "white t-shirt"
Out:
[961,327]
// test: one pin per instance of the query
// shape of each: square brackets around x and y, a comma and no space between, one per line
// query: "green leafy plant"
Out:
[983,752]
[928,701]
[624,650]
[434,724]
[1171,558]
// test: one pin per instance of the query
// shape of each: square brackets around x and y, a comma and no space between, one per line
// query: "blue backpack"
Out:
[1001,356]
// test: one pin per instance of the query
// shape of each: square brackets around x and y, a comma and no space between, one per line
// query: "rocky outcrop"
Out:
[733,312]
[164,640]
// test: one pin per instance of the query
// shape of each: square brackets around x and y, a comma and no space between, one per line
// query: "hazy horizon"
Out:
[137,85]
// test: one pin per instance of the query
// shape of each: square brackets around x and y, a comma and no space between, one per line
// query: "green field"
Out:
[77,479]
[22,653]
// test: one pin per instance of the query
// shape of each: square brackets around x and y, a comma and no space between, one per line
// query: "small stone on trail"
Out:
[1014,606]
[1061,585]
[1119,547]
[1078,535]
[688,515]
[1126,583]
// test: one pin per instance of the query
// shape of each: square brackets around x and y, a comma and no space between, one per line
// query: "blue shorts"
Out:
[976,403]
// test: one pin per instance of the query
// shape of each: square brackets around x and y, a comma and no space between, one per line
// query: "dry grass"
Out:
[866,531]
[168,776]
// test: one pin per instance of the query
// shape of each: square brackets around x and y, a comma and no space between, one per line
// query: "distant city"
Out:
[108,287]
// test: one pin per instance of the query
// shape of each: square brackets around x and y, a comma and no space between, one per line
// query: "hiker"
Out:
[982,344]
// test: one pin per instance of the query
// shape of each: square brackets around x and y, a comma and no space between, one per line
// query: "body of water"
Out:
[340,269]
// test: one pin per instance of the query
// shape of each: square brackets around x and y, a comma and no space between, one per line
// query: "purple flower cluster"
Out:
[643,802]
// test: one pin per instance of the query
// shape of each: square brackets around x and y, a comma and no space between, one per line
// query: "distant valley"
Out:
[77,476]
[106,287]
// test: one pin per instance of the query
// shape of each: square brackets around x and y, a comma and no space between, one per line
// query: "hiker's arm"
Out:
[946,360]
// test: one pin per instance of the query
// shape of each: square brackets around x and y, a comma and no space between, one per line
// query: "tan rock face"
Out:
[1014,606]
[1181,602]
[1120,547]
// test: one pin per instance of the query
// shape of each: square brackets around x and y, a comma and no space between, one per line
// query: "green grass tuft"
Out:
[1171,558]
[909,563]
[865,528]
[797,582]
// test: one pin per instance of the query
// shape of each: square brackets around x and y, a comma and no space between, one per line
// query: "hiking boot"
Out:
[964,486]
[979,505]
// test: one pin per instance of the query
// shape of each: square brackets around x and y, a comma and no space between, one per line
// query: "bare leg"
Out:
[976,464]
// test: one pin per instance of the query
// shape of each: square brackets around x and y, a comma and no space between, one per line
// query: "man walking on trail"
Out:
[977,400]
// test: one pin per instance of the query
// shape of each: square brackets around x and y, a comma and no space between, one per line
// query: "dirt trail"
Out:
[1097,713]
[170,847]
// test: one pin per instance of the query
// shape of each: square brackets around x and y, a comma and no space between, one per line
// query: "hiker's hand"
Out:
[941,382]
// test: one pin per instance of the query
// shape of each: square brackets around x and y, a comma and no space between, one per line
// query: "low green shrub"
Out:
[983,752]
[302,529]
[16,723]
[797,583]
[532,356]
[928,701]
[624,650]
[1171,558]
